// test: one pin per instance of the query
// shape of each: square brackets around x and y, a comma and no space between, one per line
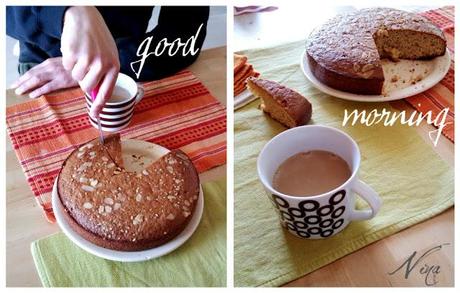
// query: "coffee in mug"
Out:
[119,95]
[311,173]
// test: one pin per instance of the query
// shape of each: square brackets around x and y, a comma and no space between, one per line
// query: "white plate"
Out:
[243,99]
[432,71]
[149,152]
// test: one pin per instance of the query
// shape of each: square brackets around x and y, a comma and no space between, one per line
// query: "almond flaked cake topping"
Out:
[138,219]
[108,209]
[87,188]
[93,182]
[84,166]
[87,205]
[108,200]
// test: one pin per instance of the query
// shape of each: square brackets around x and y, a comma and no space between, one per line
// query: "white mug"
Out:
[117,115]
[323,215]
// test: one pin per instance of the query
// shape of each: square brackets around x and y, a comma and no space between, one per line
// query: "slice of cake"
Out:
[281,103]
[121,210]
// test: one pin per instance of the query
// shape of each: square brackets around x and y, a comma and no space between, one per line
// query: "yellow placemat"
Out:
[200,262]
[413,181]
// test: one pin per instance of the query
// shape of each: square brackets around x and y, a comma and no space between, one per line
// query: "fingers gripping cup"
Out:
[314,209]
[118,110]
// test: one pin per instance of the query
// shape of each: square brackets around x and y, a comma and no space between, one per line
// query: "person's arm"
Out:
[89,52]
[174,22]
[24,22]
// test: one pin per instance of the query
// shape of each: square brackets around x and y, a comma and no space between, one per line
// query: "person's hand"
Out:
[43,78]
[90,53]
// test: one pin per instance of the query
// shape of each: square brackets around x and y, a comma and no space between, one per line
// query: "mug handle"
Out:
[140,94]
[370,196]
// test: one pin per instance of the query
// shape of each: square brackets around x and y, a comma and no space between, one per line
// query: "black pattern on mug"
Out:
[337,197]
[325,210]
[337,224]
[312,219]
[327,233]
[338,212]
[291,226]
[326,223]
[303,234]
[280,202]
[296,212]
[314,230]
[301,225]
[287,216]
[308,205]
[309,217]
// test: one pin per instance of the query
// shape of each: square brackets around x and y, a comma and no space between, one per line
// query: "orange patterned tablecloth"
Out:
[176,112]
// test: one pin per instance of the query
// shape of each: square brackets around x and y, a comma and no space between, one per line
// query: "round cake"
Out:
[345,52]
[122,210]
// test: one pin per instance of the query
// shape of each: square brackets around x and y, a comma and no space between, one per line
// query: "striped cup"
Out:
[118,111]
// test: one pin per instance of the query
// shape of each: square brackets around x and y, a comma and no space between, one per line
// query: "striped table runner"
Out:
[176,112]
[440,96]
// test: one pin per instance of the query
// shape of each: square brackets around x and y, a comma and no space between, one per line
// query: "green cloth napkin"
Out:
[200,262]
[413,181]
